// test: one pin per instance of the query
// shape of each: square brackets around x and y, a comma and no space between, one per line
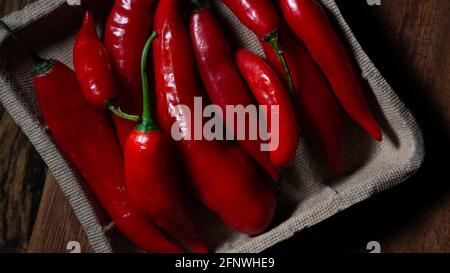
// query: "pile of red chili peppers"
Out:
[142,177]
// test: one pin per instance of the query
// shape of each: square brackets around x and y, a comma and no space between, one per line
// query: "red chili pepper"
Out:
[86,137]
[92,65]
[269,91]
[319,113]
[93,68]
[310,24]
[151,184]
[224,177]
[221,77]
[127,28]
[261,17]
[255,15]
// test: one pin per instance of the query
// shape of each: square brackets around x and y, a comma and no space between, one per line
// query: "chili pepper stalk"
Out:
[199,4]
[261,17]
[223,175]
[41,65]
[146,123]
[111,105]
[127,29]
[78,127]
[221,77]
[273,39]
[153,186]
[94,71]
[270,91]
[317,109]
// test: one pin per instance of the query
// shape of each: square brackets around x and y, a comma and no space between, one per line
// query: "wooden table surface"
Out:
[409,41]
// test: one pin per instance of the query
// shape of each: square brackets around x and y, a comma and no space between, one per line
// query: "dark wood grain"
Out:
[56,224]
[409,42]
[22,176]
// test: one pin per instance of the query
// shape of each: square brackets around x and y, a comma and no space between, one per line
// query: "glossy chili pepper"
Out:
[311,25]
[92,65]
[85,136]
[223,176]
[221,77]
[151,182]
[93,69]
[127,28]
[269,91]
[319,112]
[261,17]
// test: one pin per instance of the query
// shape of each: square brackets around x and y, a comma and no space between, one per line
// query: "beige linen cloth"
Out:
[310,192]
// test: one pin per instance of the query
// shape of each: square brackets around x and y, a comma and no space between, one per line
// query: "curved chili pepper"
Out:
[261,17]
[92,65]
[221,77]
[93,69]
[151,183]
[255,15]
[223,176]
[85,136]
[311,25]
[319,112]
[127,28]
[269,91]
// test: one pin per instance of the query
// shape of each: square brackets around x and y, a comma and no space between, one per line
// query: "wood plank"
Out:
[56,224]
[22,175]
[409,42]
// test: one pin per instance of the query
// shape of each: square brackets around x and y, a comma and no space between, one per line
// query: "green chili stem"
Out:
[274,40]
[199,4]
[41,65]
[112,106]
[146,123]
